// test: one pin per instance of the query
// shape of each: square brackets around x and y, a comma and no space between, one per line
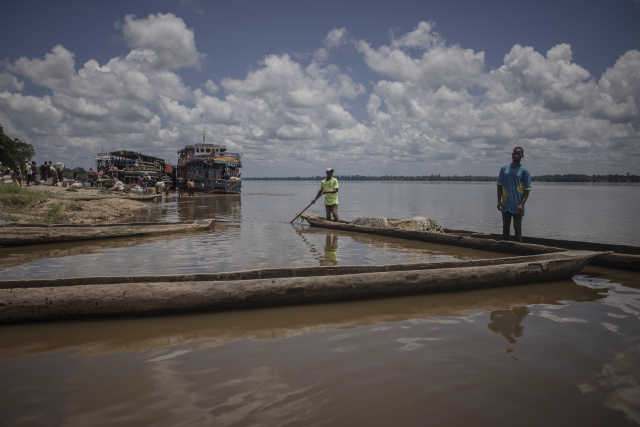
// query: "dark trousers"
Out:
[331,209]
[506,226]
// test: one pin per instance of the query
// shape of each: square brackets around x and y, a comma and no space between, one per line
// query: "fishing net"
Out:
[371,222]
[417,223]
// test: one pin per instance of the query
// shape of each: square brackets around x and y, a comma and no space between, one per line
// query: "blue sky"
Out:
[376,87]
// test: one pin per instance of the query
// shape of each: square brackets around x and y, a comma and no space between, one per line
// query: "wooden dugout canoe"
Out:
[95,297]
[623,257]
[36,234]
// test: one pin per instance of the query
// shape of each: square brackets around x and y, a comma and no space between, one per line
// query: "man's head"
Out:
[517,154]
[329,172]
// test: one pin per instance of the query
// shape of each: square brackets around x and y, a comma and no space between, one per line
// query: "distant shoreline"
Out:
[455,178]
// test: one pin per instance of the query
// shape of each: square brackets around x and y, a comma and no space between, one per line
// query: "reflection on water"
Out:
[330,250]
[145,334]
[224,207]
[508,323]
[11,257]
[619,377]
[619,381]
[338,364]
[375,249]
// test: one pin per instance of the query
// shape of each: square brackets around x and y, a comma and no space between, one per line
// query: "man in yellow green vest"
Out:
[329,187]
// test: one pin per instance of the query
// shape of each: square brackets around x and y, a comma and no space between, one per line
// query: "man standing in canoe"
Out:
[329,187]
[514,184]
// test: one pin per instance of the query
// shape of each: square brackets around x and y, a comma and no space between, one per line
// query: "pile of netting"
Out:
[417,223]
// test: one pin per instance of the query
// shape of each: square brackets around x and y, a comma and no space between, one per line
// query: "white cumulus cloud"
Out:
[162,40]
[426,107]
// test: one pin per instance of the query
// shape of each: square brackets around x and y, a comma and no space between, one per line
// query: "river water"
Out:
[556,353]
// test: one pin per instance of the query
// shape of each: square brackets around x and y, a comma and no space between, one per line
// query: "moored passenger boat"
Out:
[210,167]
[129,166]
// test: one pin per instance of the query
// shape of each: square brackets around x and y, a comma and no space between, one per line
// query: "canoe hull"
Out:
[179,294]
[620,257]
[623,257]
[23,235]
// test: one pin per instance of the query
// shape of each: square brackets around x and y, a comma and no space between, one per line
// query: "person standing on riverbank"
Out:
[329,187]
[34,173]
[17,177]
[191,186]
[27,171]
[514,184]
[43,172]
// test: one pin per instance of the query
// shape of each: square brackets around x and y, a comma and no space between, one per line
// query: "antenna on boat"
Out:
[203,135]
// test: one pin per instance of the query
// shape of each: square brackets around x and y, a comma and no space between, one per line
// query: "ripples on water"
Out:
[544,354]
[551,354]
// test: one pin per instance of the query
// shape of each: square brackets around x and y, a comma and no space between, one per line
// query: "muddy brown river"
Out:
[552,354]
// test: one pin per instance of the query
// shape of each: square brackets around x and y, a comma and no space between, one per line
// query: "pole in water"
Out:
[314,200]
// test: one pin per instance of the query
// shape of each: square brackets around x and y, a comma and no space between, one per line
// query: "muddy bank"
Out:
[87,205]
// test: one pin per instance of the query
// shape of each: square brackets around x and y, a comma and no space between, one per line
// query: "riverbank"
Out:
[60,205]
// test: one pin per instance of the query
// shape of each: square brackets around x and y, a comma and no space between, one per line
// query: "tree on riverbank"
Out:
[14,152]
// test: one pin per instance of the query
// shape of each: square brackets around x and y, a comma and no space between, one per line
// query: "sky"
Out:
[403,87]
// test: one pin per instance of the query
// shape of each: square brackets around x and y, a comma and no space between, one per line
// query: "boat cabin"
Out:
[130,165]
[210,167]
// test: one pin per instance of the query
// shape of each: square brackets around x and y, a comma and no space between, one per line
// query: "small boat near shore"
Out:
[623,257]
[136,196]
[37,234]
[99,297]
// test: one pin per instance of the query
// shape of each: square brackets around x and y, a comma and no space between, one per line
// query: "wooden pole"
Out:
[314,200]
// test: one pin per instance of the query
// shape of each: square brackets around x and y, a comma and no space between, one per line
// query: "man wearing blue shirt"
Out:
[514,184]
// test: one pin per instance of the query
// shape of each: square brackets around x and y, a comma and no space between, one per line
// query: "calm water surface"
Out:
[558,353]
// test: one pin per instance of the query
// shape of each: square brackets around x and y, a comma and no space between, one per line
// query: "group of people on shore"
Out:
[31,173]
[514,185]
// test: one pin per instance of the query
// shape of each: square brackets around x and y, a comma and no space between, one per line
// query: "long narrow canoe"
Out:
[467,239]
[623,257]
[36,234]
[95,297]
